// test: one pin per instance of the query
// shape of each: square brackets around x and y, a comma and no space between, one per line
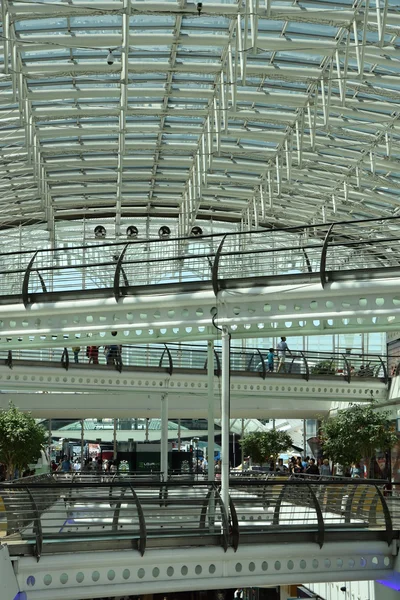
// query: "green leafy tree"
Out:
[262,445]
[357,433]
[21,440]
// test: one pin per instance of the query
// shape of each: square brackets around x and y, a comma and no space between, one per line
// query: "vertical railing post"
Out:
[225,415]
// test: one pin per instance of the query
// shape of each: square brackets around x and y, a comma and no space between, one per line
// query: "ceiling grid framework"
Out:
[248,114]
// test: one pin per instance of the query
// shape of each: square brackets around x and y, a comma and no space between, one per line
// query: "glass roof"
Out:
[235,115]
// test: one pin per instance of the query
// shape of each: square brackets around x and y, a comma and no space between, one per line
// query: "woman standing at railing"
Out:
[325,469]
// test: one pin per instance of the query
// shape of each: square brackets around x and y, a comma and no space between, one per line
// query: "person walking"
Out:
[76,350]
[270,360]
[282,348]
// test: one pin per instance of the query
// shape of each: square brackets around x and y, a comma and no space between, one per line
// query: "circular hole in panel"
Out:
[184,570]
[314,304]
[277,565]
[297,307]
[80,577]
[363,562]
[267,307]
[329,304]
[30,580]
[199,312]
[47,579]
[141,573]
[252,567]
[171,313]
[212,569]
[170,571]
[303,564]
[315,563]
[198,569]
[282,307]
[264,565]
[126,573]
[380,301]
[238,567]
[346,304]
[185,312]
[111,575]
[327,563]
[63,578]
[95,576]
[396,301]
[290,565]
[339,563]
[375,560]
[236,310]
[351,562]
[362,302]
[386,561]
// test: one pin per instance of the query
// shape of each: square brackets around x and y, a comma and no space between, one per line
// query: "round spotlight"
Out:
[110,57]
[100,232]
[132,231]
[196,231]
[164,232]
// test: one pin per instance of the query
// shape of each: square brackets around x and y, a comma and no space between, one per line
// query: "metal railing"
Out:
[320,252]
[184,358]
[57,516]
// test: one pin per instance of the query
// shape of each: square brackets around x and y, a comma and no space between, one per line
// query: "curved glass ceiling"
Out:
[250,113]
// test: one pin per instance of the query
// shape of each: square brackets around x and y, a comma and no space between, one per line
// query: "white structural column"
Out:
[115,440]
[225,416]
[211,415]
[164,436]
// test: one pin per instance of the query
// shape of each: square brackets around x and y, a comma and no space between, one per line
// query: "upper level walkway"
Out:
[89,537]
[339,279]
[312,381]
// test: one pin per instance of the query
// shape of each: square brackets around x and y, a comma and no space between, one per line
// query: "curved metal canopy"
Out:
[227,115]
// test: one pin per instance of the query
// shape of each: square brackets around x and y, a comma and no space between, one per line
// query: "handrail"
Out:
[304,364]
[327,506]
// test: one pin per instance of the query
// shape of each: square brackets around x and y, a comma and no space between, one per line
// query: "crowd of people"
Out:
[94,465]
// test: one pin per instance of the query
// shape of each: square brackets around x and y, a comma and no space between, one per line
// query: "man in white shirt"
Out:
[282,348]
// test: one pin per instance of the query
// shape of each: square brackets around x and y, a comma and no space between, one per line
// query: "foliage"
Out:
[21,439]
[261,445]
[357,433]
[324,367]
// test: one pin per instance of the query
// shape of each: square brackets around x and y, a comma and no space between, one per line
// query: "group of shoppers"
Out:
[112,353]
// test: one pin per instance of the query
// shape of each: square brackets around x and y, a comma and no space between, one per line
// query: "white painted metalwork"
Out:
[187,393]
[302,309]
[91,574]
[197,116]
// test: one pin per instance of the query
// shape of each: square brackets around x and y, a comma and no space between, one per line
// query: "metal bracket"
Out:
[65,359]
[118,269]
[25,283]
[214,277]
[322,265]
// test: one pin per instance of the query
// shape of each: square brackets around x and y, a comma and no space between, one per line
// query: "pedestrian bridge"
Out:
[313,381]
[92,536]
[258,283]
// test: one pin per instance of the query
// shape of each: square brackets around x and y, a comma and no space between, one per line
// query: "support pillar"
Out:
[225,416]
[82,441]
[115,440]
[164,437]
[211,415]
